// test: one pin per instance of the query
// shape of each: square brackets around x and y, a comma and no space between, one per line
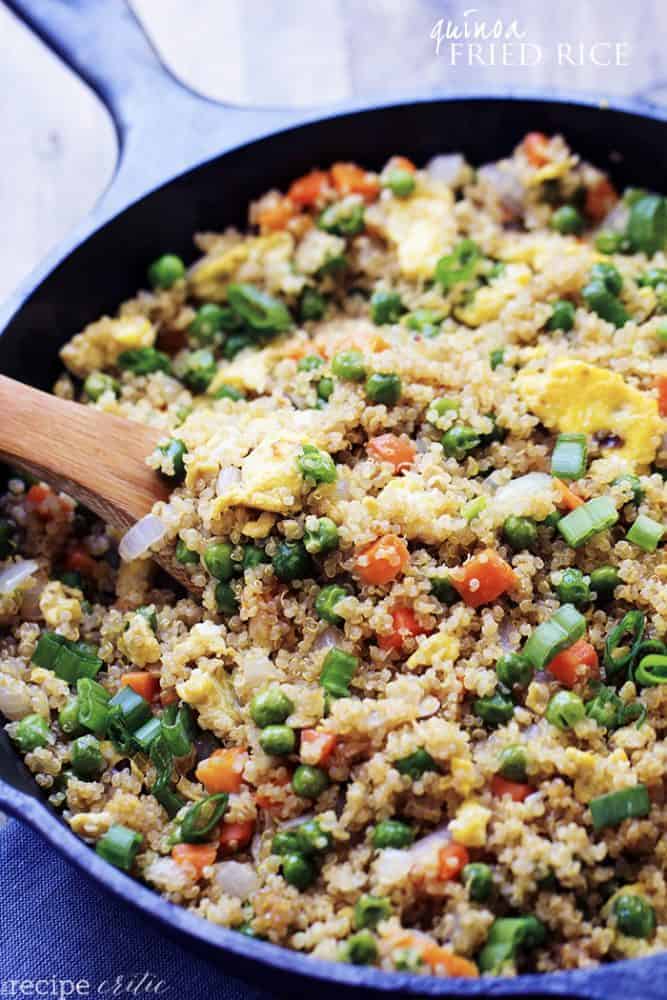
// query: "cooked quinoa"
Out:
[412,710]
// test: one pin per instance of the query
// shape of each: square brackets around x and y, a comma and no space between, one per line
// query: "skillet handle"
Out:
[163,127]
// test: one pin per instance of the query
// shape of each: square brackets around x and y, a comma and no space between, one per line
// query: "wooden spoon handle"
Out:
[96,458]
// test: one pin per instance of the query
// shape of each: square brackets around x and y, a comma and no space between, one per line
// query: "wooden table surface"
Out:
[58,144]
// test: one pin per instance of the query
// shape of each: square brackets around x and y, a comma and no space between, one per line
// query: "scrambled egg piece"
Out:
[421,228]
[434,649]
[270,477]
[209,278]
[488,301]
[413,507]
[138,642]
[464,775]
[61,609]
[576,396]
[99,345]
[249,370]
[469,825]
[212,694]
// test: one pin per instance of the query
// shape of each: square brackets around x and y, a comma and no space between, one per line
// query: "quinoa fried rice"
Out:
[416,716]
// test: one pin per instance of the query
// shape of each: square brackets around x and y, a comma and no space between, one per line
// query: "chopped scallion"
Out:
[553,636]
[569,456]
[582,523]
[646,533]
[612,808]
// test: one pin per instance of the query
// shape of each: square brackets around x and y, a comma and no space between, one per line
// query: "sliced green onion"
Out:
[569,456]
[337,672]
[582,523]
[132,708]
[651,671]
[612,808]
[474,508]
[553,636]
[145,735]
[201,819]
[68,660]
[93,705]
[506,936]
[647,225]
[646,533]
[623,642]
[178,730]
[119,846]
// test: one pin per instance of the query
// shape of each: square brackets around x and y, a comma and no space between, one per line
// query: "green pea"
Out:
[253,556]
[494,710]
[278,740]
[400,182]
[235,343]
[312,839]
[392,833]
[443,589]
[316,464]
[520,532]
[441,407]
[634,483]
[7,540]
[514,669]
[369,911]
[349,365]
[225,599]
[285,842]
[68,719]
[309,782]
[416,764]
[496,357]
[562,316]
[653,277]
[270,707]
[312,305]
[609,275]
[605,708]
[459,266]
[292,562]
[201,368]
[459,440]
[143,361]
[321,539]
[513,762]
[206,327]
[298,871]
[360,949]
[228,392]
[427,322]
[566,219]
[325,387]
[174,451]
[262,312]
[344,218]
[326,601]
[98,383]
[310,363]
[408,960]
[218,560]
[386,307]
[87,760]
[384,387]
[32,732]
[604,581]
[634,915]
[608,241]
[166,271]
[573,588]
[478,879]
[184,555]
[333,264]
[565,710]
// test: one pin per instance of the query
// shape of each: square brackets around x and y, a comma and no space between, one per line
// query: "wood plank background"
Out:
[57,144]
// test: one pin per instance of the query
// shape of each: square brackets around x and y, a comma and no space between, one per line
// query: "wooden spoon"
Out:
[96,458]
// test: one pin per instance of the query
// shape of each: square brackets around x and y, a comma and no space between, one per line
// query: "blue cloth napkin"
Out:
[57,925]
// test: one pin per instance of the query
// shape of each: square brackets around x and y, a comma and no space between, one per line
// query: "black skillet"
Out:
[163,129]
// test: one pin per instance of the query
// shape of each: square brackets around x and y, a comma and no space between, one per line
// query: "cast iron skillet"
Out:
[162,129]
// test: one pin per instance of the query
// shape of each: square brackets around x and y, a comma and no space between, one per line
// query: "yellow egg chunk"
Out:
[577,397]
[434,649]
[422,228]
[270,477]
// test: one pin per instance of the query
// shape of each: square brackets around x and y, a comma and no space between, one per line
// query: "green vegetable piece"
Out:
[424,321]
[119,846]
[416,764]
[225,599]
[312,839]
[235,343]
[634,483]
[174,451]
[566,220]
[459,266]
[262,312]
[478,879]
[513,763]
[270,707]
[201,819]
[651,671]
[570,453]
[253,556]
[400,182]
[360,949]
[645,533]
[278,740]
[98,383]
[298,871]
[654,277]
[286,842]
[565,710]
[309,782]
[507,936]
[562,316]
[228,392]
[148,732]
[93,705]
[369,911]
[323,538]
[614,807]
[218,560]
[604,581]
[132,708]
[32,732]
[326,601]
[384,387]
[312,305]
[200,370]
[349,365]
[581,524]
[622,643]
[166,271]
[325,387]
[608,241]
[87,760]
[408,960]
[495,709]
[144,361]
[178,729]
[310,363]
[337,672]
[392,833]
[609,275]
[184,555]
[386,307]
[520,532]
[207,326]
[647,225]
[573,588]
[514,669]
[459,440]
[605,708]
[496,357]
[598,298]
[443,589]
[634,915]
[316,464]
[292,562]
[343,218]
[553,636]
[68,719]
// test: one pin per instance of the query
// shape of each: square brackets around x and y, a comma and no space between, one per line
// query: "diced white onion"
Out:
[426,848]
[506,184]
[13,575]
[523,488]
[138,540]
[446,168]
[236,879]
[330,637]
[227,478]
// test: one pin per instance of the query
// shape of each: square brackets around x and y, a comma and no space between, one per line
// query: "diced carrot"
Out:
[275,216]
[661,386]
[399,451]
[38,493]
[452,859]
[348,178]
[316,747]
[223,770]
[143,683]
[383,560]
[235,836]
[199,856]
[483,578]
[80,561]
[438,957]
[567,498]
[600,199]
[517,790]
[404,625]
[577,663]
[536,148]
[401,163]
[309,189]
